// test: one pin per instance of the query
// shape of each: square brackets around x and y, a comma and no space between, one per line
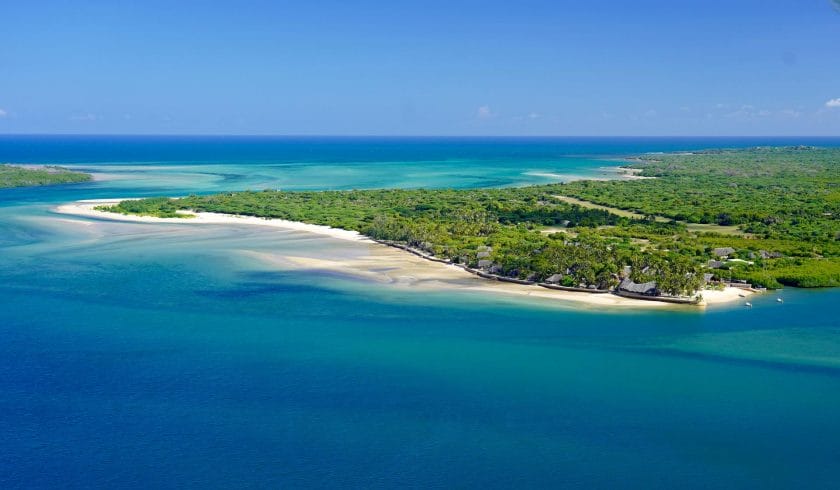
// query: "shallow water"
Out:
[139,355]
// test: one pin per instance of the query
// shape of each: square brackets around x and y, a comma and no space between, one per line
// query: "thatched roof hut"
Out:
[723,251]
[646,288]
[554,279]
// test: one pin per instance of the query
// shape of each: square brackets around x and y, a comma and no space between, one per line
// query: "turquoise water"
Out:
[138,355]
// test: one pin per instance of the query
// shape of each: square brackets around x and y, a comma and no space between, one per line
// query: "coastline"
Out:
[625,173]
[85,208]
[387,264]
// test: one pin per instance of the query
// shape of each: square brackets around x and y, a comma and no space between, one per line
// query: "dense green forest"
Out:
[789,210]
[774,192]
[15,176]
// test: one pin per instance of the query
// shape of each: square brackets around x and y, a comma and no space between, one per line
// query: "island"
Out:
[39,175]
[747,219]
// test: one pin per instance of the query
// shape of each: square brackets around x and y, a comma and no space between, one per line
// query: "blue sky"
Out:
[711,67]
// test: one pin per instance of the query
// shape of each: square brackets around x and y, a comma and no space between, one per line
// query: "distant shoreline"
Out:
[404,268]
[37,175]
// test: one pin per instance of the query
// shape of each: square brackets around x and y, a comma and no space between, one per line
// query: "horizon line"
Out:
[464,136]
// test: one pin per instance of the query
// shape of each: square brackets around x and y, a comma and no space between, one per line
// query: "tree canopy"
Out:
[784,199]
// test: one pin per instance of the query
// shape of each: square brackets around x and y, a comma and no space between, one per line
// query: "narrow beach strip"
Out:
[406,266]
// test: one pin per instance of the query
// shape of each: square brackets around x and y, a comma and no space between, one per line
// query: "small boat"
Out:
[742,295]
[780,300]
[748,304]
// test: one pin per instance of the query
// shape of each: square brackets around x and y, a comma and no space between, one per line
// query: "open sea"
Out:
[167,356]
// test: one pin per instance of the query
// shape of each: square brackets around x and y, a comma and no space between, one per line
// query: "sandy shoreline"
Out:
[85,208]
[626,173]
[387,265]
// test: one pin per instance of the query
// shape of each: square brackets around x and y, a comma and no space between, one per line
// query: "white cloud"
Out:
[3,113]
[84,117]
[744,111]
[833,103]
[484,112]
[792,113]
[748,112]
[531,116]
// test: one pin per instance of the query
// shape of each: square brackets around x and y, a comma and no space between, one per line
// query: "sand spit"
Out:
[384,264]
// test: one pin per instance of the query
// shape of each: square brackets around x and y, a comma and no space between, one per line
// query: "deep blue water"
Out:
[145,356]
[347,150]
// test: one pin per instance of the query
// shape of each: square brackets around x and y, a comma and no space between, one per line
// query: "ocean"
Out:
[168,356]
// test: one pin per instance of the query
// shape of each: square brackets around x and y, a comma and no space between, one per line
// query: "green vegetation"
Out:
[789,206]
[14,176]
[772,192]
[158,207]
[458,225]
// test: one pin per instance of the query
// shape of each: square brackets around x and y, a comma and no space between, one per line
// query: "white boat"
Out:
[780,300]
[748,304]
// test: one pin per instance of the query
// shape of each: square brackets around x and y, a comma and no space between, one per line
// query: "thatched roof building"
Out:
[554,279]
[646,288]
[723,251]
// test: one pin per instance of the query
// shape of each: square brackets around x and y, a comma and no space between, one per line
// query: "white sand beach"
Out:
[387,265]
[626,173]
[86,208]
